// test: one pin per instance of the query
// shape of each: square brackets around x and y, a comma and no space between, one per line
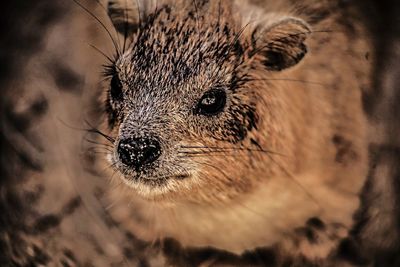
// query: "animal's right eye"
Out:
[212,102]
[116,88]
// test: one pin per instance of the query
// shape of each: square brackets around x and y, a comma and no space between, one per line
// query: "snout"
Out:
[138,153]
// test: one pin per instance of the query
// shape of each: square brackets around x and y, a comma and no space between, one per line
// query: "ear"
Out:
[126,15]
[283,43]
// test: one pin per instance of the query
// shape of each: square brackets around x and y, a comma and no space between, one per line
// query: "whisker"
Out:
[293,179]
[102,53]
[97,143]
[110,166]
[269,154]
[237,36]
[286,80]
[94,150]
[98,153]
[288,174]
[205,156]
[97,131]
[225,149]
[101,23]
[100,148]
[90,130]
[138,11]
[216,168]
[126,19]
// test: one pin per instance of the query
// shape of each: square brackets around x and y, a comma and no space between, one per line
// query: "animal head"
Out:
[188,102]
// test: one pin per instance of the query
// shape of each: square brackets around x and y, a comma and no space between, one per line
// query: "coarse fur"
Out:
[289,146]
[293,171]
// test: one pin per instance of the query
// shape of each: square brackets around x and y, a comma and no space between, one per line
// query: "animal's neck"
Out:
[275,209]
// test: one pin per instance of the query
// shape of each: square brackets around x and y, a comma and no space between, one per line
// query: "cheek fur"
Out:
[113,115]
[233,126]
[244,119]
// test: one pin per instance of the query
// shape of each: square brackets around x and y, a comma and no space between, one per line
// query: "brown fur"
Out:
[305,62]
[310,115]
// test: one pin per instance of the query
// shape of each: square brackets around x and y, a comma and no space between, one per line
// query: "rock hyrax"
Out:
[235,124]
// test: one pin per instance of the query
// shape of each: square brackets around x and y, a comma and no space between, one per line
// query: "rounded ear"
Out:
[283,43]
[126,15]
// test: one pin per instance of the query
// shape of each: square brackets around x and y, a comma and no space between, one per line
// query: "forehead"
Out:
[176,46]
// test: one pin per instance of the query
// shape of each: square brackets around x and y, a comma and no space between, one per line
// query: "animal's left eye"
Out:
[212,102]
[116,88]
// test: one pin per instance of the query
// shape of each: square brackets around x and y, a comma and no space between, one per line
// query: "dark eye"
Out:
[212,102]
[116,88]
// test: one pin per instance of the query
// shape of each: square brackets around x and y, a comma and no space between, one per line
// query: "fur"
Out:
[305,174]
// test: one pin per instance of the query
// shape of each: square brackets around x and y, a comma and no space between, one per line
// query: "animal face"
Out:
[184,98]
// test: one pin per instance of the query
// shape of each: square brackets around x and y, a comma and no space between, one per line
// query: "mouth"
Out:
[155,181]
[156,178]
[165,177]
[157,186]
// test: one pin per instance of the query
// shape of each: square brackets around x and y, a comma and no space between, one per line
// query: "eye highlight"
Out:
[212,102]
[116,88]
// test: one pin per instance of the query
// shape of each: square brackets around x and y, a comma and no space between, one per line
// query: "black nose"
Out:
[138,152]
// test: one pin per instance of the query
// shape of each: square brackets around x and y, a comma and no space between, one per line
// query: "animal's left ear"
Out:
[283,43]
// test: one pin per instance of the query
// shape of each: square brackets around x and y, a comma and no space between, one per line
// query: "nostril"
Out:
[151,151]
[138,152]
[125,152]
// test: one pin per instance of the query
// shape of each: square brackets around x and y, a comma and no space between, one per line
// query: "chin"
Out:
[161,189]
